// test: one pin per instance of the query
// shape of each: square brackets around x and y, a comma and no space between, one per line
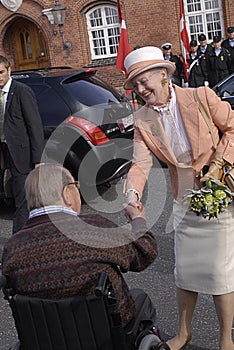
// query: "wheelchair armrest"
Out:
[105,289]
[101,286]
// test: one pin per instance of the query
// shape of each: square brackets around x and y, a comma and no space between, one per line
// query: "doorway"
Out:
[28,45]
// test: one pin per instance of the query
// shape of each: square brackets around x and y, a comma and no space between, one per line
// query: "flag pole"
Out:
[184,40]
[123,47]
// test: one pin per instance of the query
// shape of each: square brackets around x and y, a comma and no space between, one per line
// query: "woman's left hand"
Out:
[212,174]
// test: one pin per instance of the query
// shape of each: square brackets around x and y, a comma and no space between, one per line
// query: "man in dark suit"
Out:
[198,74]
[219,62]
[22,138]
[228,44]
[204,48]
[178,75]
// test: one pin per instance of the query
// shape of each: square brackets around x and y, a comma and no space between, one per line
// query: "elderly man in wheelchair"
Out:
[63,273]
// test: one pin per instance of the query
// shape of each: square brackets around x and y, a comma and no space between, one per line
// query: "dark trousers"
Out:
[21,211]
[145,312]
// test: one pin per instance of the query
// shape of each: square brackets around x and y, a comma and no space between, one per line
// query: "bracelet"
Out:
[134,191]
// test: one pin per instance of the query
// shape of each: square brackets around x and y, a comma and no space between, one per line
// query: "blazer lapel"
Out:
[151,126]
[10,95]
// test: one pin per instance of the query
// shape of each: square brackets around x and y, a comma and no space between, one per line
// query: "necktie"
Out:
[1,112]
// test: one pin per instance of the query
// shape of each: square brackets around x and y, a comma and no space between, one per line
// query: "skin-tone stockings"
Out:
[186,301]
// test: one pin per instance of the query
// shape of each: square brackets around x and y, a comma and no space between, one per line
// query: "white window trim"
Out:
[104,28]
[203,13]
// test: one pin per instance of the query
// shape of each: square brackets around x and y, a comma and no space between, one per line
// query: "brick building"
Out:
[89,36]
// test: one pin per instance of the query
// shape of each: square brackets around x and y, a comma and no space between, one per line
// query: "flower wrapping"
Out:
[210,200]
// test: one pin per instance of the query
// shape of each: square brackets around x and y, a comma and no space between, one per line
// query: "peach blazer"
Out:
[150,138]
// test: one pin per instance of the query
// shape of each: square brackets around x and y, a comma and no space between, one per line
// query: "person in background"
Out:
[60,253]
[178,75]
[171,126]
[22,137]
[228,44]
[198,75]
[218,62]
[204,47]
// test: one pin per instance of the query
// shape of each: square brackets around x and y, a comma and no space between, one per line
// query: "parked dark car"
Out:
[225,89]
[87,123]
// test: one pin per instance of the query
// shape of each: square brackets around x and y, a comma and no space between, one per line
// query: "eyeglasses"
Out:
[76,183]
[142,81]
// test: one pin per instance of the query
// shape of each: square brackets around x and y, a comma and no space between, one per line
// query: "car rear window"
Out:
[91,92]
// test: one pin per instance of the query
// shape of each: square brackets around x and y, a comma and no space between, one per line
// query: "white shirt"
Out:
[231,42]
[50,209]
[6,89]
[217,52]
[175,130]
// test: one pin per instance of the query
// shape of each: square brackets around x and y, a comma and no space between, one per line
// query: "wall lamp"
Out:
[56,16]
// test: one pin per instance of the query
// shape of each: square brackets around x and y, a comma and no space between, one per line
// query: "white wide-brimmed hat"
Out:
[143,59]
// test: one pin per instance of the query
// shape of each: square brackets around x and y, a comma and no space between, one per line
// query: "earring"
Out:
[164,81]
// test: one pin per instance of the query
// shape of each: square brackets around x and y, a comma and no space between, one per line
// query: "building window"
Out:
[204,16]
[104,31]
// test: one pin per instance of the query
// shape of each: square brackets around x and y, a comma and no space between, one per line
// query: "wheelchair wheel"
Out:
[148,341]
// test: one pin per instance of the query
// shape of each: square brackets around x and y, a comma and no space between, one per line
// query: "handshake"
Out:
[133,206]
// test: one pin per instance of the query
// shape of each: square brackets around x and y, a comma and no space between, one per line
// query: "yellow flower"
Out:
[220,194]
[208,200]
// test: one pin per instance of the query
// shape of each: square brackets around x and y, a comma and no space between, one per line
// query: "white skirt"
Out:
[204,251]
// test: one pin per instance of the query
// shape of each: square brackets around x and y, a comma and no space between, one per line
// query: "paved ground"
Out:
[157,280]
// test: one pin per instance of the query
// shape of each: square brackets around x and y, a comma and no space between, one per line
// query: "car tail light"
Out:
[92,131]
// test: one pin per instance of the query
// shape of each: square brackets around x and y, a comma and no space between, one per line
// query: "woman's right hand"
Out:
[134,212]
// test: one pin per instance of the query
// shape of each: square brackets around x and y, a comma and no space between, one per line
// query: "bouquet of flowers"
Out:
[210,200]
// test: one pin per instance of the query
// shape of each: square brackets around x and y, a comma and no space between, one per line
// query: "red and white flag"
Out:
[124,48]
[184,40]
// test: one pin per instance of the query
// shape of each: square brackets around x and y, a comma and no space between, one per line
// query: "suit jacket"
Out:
[61,255]
[150,138]
[226,45]
[23,127]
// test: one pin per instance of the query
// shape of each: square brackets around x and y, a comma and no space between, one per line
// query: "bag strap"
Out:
[206,118]
[193,64]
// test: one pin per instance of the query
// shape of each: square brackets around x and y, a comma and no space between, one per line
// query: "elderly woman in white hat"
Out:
[172,127]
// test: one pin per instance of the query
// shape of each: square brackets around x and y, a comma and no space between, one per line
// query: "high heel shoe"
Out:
[189,338]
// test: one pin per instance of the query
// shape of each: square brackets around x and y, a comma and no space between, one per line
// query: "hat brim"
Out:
[146,66]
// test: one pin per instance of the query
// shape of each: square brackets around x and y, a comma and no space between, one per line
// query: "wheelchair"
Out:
[77,323]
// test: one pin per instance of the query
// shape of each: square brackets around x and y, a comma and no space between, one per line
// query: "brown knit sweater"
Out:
[60,255]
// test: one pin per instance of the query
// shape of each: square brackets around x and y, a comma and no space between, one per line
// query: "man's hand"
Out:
[134,212]
[37,165]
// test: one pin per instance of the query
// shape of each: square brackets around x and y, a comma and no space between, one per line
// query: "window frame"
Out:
[105,29]
[211,18]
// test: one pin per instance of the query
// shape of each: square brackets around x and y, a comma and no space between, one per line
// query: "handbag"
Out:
[228,177]
[227,173]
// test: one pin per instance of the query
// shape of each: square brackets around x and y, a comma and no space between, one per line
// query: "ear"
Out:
[67,196]
[164,72]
